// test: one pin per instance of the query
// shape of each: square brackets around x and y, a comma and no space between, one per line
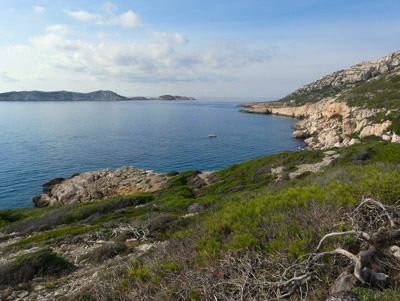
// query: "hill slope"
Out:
[236,236]
[341,108]
[60,96]
[336,82]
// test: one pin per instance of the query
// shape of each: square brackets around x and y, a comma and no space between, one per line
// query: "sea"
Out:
[40,141]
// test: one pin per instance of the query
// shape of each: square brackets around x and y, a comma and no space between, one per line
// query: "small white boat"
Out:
[212,135]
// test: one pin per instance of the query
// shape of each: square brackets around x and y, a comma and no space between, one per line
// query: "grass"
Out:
[8,216]
[55,235]
[253,174]
[72,214]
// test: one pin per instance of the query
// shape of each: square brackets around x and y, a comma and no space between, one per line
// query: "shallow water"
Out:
[43,140]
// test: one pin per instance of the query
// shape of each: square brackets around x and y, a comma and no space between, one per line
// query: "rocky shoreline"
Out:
[105,183]
[328,123]
[328,107]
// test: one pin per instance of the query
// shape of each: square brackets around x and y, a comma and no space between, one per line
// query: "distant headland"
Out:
[75,96]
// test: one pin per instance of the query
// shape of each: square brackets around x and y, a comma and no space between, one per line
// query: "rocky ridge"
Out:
[333,83]
[331,121]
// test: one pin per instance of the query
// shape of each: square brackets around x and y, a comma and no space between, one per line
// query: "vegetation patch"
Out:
[380,92]
[74,213]
[55,235]
[26,267]
[105,252]
[339,117]
[312,95]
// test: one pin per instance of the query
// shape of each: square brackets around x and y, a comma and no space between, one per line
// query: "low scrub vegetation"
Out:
[26,267]
[252,227]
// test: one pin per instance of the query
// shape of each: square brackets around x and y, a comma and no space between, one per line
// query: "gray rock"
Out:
[379,280]
[196,208]
[344,283]
[300,134]
[39,279]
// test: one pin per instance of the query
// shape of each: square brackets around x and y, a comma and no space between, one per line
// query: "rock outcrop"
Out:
[328,123]
[331,121]
[329,85]
[105,183]
[100,184]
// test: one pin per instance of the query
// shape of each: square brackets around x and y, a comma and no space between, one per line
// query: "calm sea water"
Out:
[43,140]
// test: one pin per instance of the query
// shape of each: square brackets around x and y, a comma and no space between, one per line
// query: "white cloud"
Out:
[109,8]
[151,62]
[39,9]
[128,19]
[54,41]
[176,38]
[85,16]
[58,28]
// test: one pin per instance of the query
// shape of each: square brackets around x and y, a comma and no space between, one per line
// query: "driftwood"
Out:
[376,226]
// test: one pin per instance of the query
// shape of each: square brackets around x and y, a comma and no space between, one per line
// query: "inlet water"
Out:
[40,141]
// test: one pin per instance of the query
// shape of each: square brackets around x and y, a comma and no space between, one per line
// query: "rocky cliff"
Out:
[341,108]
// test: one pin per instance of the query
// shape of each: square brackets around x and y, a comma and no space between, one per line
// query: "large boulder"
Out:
[377,129]
[300,134]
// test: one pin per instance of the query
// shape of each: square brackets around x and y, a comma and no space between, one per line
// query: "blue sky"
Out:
[252,48]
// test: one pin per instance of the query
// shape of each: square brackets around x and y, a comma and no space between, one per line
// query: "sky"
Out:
[217,48]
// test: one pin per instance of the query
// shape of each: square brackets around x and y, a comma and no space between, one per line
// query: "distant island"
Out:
[75,96]
[163,97]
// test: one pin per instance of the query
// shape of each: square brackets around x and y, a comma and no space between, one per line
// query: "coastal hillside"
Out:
[60,96]
[76,96]
[305,225]
[317,224]
[341,108]
[332,84]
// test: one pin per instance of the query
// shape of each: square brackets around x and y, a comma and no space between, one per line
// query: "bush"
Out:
[26,267]
[337,116]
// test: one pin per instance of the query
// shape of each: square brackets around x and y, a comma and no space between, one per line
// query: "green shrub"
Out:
[26,267]
[140,273]
[365,294]
[337,116]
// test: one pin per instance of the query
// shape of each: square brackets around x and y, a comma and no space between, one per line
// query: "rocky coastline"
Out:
[105,183]
[328,118]
[328,123]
